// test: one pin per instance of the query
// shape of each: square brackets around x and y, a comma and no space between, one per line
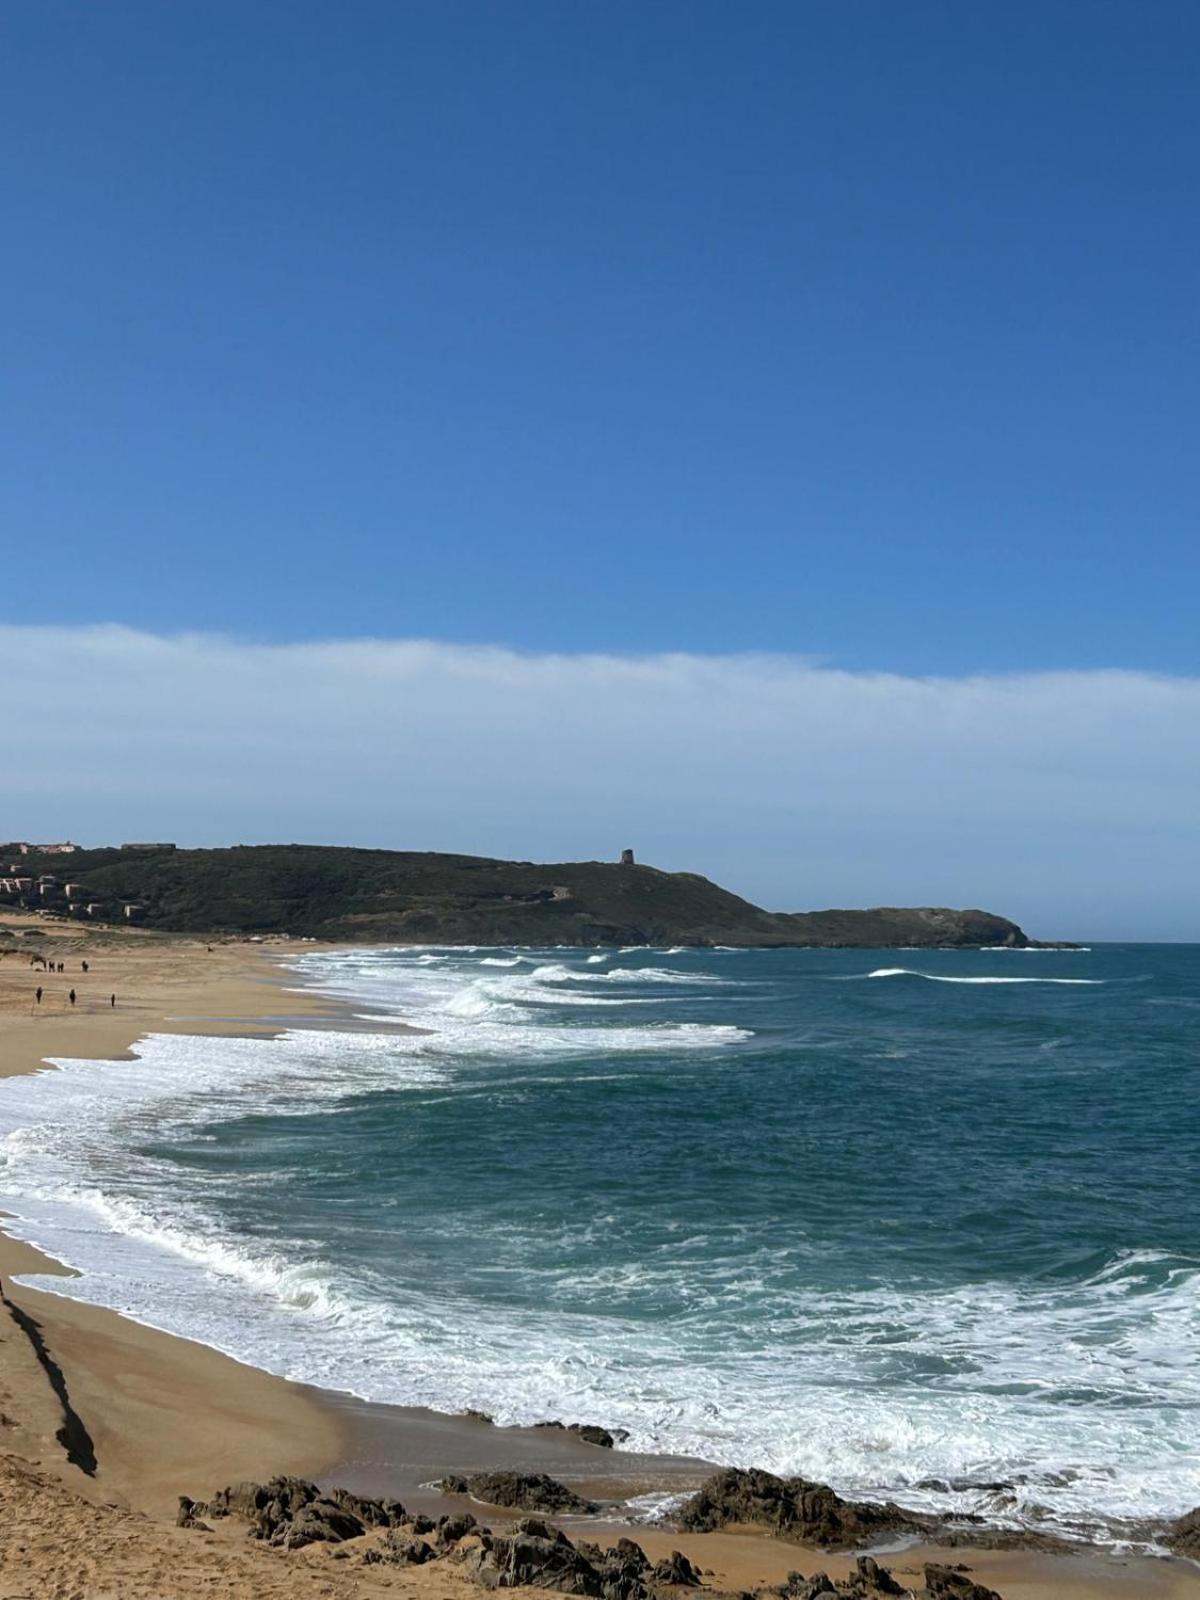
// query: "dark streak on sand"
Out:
[73,1435]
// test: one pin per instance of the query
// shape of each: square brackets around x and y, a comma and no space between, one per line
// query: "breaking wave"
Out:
[942,977]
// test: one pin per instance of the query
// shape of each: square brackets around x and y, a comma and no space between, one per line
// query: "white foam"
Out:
[940,977]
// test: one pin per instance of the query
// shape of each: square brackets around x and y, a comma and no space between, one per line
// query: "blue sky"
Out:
[780,418]
[861,331]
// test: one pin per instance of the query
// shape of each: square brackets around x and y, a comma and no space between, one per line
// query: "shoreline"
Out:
[168,1416]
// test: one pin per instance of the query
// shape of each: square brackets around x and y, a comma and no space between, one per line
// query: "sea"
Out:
[923,1225]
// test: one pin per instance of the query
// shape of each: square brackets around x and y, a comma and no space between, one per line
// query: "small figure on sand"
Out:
[38,993]
[71,997]
[84,965]
[112,1000]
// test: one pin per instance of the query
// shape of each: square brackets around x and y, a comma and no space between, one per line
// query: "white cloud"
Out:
[1065,799]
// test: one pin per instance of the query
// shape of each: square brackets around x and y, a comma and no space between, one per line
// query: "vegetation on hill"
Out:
[381,896]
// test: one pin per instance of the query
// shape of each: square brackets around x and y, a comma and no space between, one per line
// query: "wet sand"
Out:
[163,1416]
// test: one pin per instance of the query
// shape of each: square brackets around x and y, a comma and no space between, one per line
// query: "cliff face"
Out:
[388,896]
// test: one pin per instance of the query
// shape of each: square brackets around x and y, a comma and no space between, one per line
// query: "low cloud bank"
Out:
[1066,799]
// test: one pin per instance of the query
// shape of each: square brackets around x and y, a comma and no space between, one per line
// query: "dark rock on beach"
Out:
[399,1549]
[1183,1535]
[794,1508]
[950,1583]
[868,1581]
[451,1529]
[536,1556]
[292,1512]
[589,1432]
[676,1570]
[522,1491]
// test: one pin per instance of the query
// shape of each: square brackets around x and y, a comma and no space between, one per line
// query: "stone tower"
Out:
[626,858]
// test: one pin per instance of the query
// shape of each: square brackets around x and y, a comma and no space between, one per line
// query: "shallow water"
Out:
[878,1217]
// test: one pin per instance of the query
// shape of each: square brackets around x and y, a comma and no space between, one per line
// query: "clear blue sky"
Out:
[865,330]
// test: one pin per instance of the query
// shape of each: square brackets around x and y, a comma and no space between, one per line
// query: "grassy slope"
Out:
[380,895]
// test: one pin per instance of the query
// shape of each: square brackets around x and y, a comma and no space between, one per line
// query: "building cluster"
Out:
[23,848]
[44,892]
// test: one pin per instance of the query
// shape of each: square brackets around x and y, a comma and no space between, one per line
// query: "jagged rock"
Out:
[870,1575]
[1183,1535]
[676,1569]
[451,1529]
[868,1580]
[810,1513]
[292,1512]
[319,1522]
[623,1569]
[534,1556]
[944,1583]
[541,1557]
[629,1554]
[479,1416]
[422,1524]
[398,1549]
[372,1513]
[523,1491]
[590,1434]
[187,1517]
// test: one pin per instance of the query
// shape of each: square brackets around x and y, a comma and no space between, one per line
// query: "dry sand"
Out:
[162,1416]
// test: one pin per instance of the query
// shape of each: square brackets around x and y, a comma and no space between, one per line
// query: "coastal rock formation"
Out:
[398,1549]
[1183,1535]
[589,1433]
[537,1556]
[292,1512]
[868,1581]
[950,1583]
[676,1570]
[521,1491]
[288,1513]
[794,1508]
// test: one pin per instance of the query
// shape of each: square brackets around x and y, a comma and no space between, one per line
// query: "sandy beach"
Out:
[106,1422]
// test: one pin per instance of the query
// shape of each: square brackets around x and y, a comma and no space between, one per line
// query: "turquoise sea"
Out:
[918,1224]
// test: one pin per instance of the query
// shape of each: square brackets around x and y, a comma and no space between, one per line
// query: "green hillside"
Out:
[378,896]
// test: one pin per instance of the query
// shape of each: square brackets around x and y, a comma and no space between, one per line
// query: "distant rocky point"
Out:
[410,897]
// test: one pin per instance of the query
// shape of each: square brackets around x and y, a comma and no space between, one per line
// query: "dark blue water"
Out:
[881,1217]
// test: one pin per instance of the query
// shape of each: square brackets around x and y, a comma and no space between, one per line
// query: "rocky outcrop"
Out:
[589,1433]
[520,1491]
[952,1583]
[289,1513]
[399,1549]
[1183,1535]
[677,1571]
[793,1508]
[869,1580]
[292,1512]
[537,1556]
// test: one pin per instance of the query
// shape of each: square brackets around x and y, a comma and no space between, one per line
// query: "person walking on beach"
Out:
[112,1000]
[38,993]
[71,997]
[84,965]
